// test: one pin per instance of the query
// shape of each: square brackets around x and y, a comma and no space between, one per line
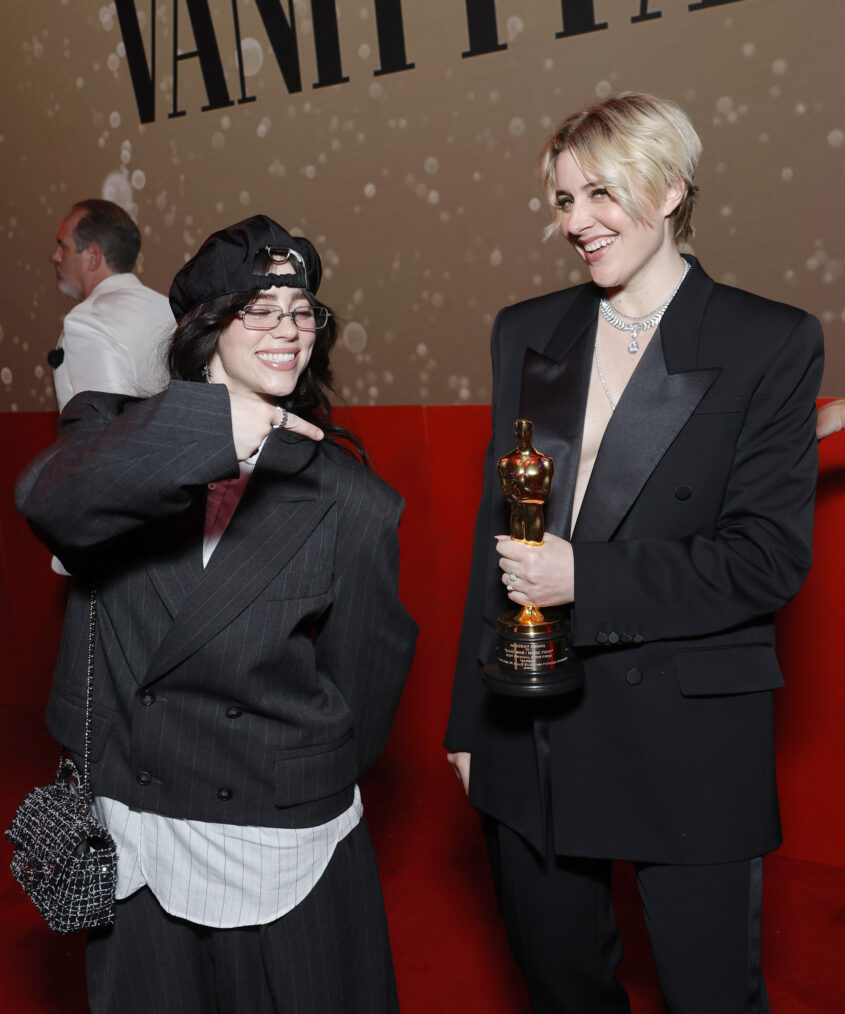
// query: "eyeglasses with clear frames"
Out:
[264,317]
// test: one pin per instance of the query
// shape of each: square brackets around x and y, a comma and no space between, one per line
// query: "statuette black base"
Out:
[533,659]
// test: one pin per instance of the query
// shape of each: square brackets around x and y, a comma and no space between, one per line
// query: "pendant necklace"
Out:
[636,325]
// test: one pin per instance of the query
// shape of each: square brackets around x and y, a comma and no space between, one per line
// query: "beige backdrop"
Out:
[420,187]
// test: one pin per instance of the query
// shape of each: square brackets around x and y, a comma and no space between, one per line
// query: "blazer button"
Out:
[613,637]
[601,637]
[638,638]
[143,778]
[233,712]
[634,676]
[625,637]
[147,698]
[224,794]
[683,492]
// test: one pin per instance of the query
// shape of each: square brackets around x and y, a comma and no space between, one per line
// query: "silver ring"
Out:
[510,587]
[282,423]
[512,578]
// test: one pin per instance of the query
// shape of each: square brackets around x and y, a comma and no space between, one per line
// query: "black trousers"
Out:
[328,955]
[703,921]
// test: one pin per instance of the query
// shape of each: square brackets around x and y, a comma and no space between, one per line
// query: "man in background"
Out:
[115,338]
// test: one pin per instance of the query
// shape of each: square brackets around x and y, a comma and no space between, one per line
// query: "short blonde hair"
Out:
[636,146]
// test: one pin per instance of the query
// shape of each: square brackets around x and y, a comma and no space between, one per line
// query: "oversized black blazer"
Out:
[254,691]
[695,526]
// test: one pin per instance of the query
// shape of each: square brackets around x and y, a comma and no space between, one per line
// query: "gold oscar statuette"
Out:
[533,655]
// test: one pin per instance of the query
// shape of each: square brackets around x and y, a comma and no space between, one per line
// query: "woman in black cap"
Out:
[251,650]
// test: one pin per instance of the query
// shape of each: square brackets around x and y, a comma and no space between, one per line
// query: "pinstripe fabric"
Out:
[253,693]
[256,691]
[329,955]
[221,875]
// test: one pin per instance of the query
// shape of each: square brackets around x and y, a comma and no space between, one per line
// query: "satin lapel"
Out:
[280,508]
[652,410]
[554,397]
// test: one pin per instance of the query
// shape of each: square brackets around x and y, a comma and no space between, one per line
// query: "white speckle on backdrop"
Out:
[116,187]
[252,55]
[355,336]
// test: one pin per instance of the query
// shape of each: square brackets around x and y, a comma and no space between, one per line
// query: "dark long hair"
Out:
[195,339]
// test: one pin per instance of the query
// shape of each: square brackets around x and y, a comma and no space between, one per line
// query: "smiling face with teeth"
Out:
[622,253]
[265,364]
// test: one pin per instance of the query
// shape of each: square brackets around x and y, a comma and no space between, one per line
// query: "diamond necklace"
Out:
[636,325]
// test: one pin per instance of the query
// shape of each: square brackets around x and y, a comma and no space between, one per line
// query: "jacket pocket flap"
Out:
[743,669]
[66,721]
[310,773]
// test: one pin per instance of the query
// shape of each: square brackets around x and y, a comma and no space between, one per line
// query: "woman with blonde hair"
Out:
[680,416]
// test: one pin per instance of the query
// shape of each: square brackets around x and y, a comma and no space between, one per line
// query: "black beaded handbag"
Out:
[64,859]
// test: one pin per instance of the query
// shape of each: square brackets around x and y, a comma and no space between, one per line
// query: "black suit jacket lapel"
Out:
[659,399]
[554,397]
[174,556]
[281,506]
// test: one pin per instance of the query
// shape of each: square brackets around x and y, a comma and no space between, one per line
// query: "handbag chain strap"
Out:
[89,705]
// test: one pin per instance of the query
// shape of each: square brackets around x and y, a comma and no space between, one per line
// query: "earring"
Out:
[207,375]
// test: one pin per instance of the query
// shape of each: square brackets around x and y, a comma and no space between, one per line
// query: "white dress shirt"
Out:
[115,340]
[221,875]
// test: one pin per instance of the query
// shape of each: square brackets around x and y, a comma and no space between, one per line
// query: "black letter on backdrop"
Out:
[208,53]
[282,36]
[482,28]
[143,76]
[645,14]
[391,37]
[238,52]
[326,44]
[704,4]
[579,17]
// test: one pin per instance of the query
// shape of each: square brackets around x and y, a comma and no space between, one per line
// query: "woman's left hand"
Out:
[537,575]
[831,418]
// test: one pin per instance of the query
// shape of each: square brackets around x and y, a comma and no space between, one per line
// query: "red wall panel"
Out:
[432,455]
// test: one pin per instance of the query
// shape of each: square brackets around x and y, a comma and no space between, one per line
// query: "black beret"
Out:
[223,264]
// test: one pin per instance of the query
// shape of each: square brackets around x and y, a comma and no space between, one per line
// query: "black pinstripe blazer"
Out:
[695,526]
[255,691]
